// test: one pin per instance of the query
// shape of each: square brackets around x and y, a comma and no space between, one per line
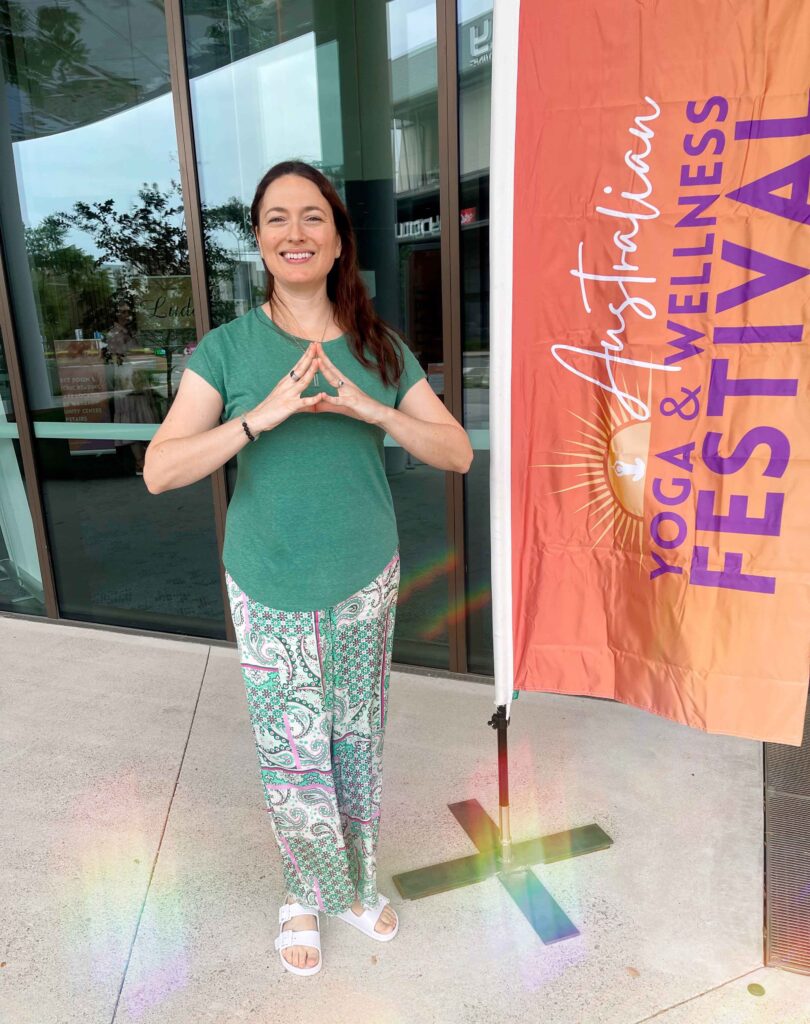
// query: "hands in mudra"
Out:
[286,397]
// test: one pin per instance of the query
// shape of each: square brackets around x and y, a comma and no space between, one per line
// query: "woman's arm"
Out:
[425,428]
[188,445]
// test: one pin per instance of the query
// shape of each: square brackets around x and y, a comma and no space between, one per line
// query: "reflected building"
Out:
[132,136]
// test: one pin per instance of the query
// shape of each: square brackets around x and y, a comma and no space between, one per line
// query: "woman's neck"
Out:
[297,313]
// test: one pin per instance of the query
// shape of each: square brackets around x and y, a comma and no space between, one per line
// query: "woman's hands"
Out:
[285,398]
[350,399]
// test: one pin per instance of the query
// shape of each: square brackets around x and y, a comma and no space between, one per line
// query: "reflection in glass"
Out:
[137,558]
[475,81]
[97,256]
[20,576]
[349,86]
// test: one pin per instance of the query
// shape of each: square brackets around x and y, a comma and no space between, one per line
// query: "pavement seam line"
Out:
[700,995]
[160,840]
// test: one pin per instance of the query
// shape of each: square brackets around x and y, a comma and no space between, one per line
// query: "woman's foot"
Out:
[301,956]
[387,921]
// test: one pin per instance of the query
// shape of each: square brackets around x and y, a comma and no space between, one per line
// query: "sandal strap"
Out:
[291,938]
[371,915]
[288,910]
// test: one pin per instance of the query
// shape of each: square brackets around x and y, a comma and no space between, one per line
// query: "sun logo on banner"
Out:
[611,458]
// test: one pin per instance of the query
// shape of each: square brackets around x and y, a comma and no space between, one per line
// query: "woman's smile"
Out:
[293,256]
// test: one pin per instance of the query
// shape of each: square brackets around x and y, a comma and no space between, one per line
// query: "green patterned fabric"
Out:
[317,693]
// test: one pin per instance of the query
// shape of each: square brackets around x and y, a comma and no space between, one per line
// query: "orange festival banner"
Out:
[651,357]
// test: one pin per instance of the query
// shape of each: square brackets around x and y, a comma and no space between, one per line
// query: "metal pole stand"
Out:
[511,862]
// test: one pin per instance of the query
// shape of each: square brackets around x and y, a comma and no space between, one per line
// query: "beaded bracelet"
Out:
[246,429]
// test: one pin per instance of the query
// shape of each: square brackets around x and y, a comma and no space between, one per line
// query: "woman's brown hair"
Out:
[354,311]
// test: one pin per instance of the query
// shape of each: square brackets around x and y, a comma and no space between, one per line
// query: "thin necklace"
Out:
[300,344]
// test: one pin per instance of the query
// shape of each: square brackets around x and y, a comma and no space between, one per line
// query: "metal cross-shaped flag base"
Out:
[497,855]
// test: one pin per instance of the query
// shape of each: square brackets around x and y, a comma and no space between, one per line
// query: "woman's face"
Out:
[297,237]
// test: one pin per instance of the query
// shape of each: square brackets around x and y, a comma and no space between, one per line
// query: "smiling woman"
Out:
[309,253]
[311,544]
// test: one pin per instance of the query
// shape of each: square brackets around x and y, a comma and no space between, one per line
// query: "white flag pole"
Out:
[506,16]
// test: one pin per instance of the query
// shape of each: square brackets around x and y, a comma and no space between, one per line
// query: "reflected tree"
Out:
[134,246]
[149,240]
[73,292]
[150,237]
[65,87]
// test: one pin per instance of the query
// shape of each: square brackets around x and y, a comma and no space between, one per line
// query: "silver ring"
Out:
[340,384]
[294,375]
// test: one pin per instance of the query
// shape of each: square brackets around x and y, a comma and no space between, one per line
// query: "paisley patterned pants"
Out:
[317,691]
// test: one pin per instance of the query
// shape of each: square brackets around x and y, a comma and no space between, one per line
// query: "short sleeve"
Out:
[206,360]
[411,374]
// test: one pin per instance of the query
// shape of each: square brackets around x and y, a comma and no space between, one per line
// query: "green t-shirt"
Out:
[311,519]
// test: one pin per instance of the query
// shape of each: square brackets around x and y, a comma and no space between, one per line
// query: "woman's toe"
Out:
[387,920]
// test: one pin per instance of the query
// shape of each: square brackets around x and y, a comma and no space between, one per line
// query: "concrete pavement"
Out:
[141,882]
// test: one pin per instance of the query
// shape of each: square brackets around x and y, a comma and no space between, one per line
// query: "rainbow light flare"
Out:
[427,574]
[509,942]
[471,602]
[110,849]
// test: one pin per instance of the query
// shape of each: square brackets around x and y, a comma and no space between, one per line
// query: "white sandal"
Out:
[365,922]
[293,938]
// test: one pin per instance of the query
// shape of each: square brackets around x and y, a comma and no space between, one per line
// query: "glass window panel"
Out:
[475,80]
[124,563]
[358,81]
[97,257]
[20,576]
